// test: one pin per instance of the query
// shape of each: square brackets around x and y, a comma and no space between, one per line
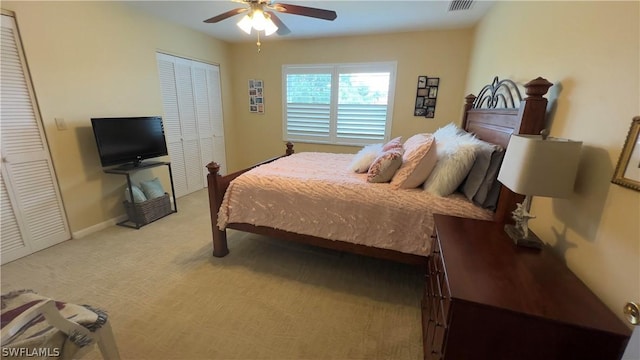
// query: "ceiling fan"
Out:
[261,15]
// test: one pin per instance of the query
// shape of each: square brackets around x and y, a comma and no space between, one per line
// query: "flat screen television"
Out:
[129,140]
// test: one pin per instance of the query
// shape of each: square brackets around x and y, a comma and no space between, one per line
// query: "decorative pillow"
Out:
[385,165]
[418,161]
[454,162]
[138,195]
[478,171]
[487,194]
[446,132]
[363,159]
[152,188]
[395,143]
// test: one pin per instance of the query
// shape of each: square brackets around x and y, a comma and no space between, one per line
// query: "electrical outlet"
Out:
[60,124]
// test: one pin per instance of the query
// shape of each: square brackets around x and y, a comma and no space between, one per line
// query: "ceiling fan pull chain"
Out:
[258,43]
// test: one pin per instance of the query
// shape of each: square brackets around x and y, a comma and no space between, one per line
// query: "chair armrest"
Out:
[53,317]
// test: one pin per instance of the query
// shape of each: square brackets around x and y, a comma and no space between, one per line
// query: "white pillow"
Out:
[364,158]
[454,162]
[446,132]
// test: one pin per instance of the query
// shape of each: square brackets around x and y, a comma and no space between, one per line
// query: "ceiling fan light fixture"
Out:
[270,27]
[245,24]
[259,20]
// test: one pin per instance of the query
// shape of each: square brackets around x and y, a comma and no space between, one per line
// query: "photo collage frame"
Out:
[256,96]
[426,96]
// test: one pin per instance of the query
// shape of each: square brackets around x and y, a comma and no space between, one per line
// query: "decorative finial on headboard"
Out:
[537,87]
[470,98]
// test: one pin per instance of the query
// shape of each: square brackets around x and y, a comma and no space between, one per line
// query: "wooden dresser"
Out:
[485,298]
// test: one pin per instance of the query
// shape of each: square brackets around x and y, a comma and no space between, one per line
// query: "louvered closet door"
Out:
[209,115]
[219,154]
[191,99]
[188,120]
[180,123]
[33,216]
[171,120]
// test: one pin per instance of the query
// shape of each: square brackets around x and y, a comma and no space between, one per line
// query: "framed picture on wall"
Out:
[627,171]
[256,96]
[422,82]
[426,94]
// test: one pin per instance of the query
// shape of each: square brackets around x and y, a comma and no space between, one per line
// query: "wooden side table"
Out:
[486,298]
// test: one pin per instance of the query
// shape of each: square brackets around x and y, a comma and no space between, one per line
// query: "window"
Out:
[346,104]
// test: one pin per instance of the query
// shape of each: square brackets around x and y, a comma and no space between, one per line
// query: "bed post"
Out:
[532,117]
[467,106]
[533,108]
[220,248]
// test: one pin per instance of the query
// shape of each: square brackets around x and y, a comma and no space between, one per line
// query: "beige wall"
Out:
[590,51]
[98,59]
[443,54]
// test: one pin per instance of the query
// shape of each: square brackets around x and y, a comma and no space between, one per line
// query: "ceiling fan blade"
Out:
[306,11]
[282,28]
[226,15]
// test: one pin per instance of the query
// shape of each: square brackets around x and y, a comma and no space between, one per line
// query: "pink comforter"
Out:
[315,194]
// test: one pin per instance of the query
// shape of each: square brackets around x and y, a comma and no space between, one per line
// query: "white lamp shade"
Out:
[245,24]
[537,167]
[269,27]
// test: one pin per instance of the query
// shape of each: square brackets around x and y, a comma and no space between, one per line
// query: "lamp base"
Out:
[516,235]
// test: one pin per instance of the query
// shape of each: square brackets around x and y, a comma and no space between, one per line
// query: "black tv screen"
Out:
[129,139]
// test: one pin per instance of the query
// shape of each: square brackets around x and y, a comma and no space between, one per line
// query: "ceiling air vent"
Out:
[456,5]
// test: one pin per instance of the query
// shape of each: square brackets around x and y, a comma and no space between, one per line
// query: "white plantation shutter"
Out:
[308,103]
[33,216]
[190,95]
[346,104]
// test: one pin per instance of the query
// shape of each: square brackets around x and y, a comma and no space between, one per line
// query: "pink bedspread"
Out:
[315,194]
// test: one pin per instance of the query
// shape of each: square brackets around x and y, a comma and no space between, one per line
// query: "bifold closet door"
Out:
[33,216]
[192,119]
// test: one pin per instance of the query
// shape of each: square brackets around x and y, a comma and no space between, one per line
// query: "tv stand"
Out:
[130,168]
[138,165]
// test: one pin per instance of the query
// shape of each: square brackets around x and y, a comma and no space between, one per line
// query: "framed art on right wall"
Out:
[627,171]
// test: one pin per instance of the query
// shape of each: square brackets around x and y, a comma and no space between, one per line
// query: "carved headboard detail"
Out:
[503,94]
[517,116]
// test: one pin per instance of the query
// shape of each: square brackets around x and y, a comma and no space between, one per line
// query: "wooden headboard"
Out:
[499,111]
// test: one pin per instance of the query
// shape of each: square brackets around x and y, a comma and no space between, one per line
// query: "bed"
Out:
[497,112]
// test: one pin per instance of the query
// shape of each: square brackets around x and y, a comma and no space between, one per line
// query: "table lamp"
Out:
[537,165]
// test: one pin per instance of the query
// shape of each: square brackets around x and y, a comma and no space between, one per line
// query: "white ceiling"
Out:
[355,17]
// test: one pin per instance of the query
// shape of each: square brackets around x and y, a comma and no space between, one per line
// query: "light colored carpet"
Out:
[168,298]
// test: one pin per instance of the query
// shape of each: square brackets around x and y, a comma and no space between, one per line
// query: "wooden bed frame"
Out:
[492,116]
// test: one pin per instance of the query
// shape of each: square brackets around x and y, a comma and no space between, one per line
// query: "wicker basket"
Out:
[148,211]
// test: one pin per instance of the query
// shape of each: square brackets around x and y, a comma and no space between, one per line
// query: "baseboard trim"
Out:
[97,227]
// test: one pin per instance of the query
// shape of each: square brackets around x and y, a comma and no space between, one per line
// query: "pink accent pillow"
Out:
[393,144]
[385,165]
[418,161]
